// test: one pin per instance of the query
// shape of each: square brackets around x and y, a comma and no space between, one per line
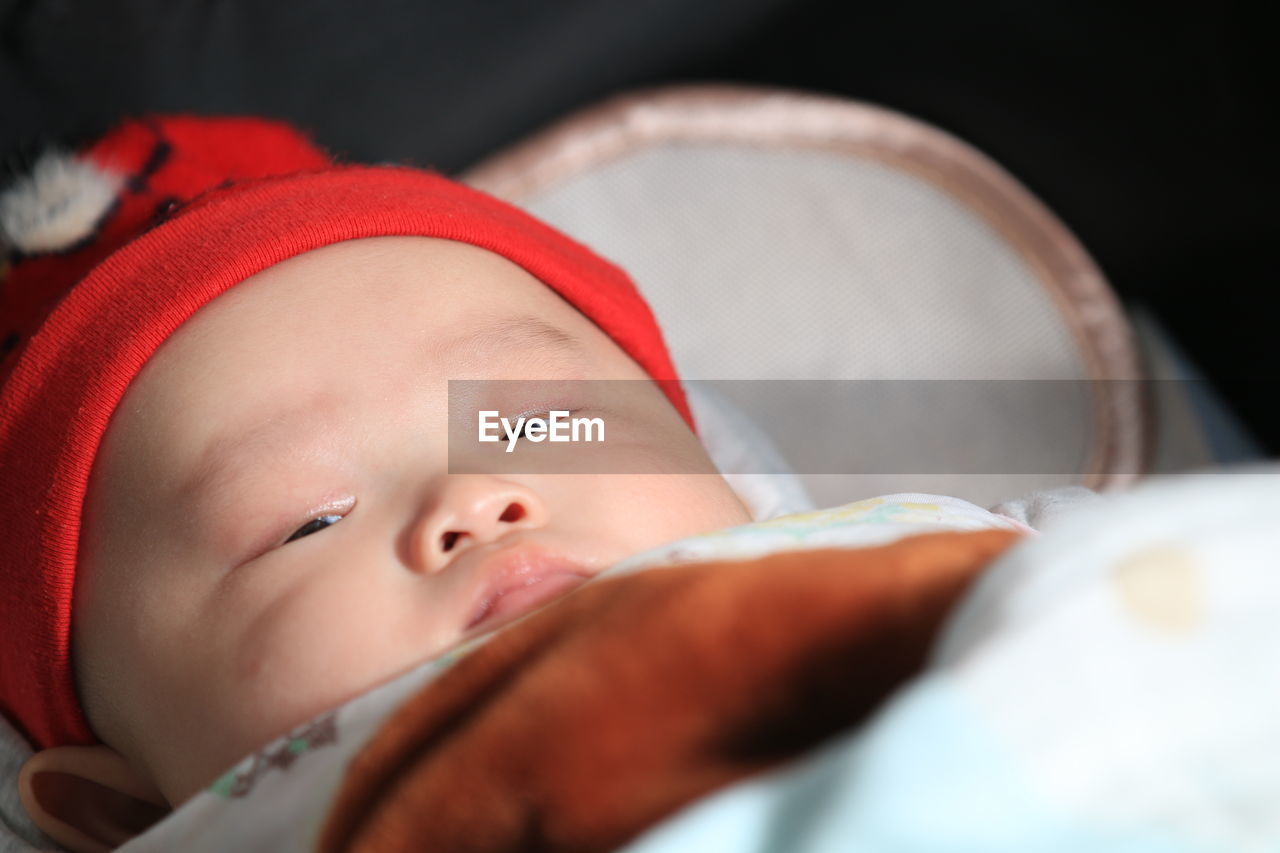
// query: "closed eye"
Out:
[521,433]
[314,525]
[542,414]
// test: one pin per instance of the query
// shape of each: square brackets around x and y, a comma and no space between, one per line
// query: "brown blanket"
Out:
[582,725]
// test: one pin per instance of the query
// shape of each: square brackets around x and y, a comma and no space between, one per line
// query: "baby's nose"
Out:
[481,531]
[474,510]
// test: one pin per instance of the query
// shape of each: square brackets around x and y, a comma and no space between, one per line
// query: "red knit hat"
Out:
[111,251]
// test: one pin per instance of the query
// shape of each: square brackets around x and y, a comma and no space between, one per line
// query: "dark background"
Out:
[1148,129]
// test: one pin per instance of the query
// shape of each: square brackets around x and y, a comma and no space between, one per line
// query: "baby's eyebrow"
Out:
[525,331]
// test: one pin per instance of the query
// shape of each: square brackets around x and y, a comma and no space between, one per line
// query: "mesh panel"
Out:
[813,265]
[772,263]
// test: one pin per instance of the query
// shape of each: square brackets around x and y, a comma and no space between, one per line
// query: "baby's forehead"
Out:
[357,325]
[218,393]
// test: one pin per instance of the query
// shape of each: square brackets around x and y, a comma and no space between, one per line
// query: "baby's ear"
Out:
[88,798]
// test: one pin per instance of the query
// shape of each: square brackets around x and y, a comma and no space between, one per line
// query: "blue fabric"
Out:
[927,776]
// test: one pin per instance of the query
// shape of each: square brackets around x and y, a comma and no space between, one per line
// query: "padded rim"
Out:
[778,118]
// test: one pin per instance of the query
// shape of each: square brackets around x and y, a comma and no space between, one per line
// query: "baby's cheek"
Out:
[319,644]
[650,510]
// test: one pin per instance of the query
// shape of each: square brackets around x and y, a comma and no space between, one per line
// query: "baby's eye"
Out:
[523,432]
[315,524]
[520,433]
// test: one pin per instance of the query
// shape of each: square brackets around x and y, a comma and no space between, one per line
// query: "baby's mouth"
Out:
[518,581]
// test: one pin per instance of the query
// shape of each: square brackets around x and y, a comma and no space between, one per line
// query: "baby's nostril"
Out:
[513,512]
[448,540]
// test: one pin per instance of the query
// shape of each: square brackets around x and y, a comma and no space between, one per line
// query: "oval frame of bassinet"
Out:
[778,118]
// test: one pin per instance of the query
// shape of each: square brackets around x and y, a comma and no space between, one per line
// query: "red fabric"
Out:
[163,161]
[80,347]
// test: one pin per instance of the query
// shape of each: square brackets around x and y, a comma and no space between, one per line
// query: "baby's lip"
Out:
[518,580]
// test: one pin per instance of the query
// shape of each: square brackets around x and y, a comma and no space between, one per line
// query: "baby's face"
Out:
[271,528]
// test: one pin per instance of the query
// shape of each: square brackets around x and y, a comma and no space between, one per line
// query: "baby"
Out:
[267,526]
